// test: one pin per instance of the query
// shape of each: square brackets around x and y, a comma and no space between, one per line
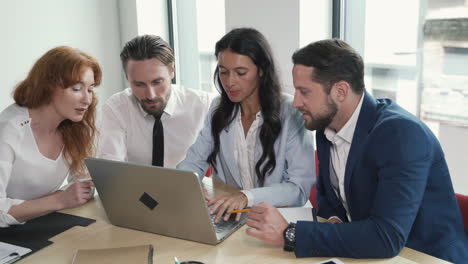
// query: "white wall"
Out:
[287,25]
[28,28]
[152,18]
[140,17]
[128,20]
[315,21]
[278,20]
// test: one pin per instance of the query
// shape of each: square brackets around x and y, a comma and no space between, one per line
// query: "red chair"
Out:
[463,203]
[313,192]
[209,172]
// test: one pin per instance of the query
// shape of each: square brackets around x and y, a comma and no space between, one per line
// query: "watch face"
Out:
[291,234]
[290,237]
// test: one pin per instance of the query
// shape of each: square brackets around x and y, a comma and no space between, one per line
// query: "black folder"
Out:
[35,234]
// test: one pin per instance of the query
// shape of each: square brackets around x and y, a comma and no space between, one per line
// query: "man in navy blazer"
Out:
[383,181]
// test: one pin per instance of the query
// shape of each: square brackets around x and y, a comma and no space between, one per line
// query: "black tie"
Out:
[158,142]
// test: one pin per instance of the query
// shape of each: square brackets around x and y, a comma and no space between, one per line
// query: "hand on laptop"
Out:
[225,204]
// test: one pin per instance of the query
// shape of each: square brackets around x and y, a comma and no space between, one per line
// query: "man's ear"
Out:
[341,90]
[172,70]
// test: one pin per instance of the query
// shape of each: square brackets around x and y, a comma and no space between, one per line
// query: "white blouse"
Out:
[25,174]
[244,153]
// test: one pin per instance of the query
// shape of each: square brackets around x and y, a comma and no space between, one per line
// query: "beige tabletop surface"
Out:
[238,248]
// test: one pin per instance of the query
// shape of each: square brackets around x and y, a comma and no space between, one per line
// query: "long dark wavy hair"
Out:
[251,43]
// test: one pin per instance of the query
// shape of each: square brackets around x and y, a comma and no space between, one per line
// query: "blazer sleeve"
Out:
[401,152]
[296,180]
[197,154]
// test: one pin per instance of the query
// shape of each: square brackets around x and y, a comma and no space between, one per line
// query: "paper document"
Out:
[295,214]
[331,261]
[394,260]
[10,253]
[398,260]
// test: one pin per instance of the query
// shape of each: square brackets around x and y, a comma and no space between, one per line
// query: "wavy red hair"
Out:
[59,68]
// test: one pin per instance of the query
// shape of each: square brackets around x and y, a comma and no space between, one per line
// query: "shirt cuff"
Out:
[335,217]
[64,187]
[250,198]
[7,219]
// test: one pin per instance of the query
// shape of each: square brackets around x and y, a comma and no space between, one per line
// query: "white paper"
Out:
[9,252]
[394,260]
[295,214]
[331,261]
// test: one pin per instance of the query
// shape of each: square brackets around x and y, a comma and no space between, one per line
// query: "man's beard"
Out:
[322,121]
[154,110]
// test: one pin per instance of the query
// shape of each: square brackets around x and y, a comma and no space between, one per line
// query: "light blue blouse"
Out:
[290,182]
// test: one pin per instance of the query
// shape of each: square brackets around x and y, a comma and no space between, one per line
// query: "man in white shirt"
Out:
[153,122]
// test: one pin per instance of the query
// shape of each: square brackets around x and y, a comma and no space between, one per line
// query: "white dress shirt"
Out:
[244,153]
[25,174]
[339,150]
[126,130]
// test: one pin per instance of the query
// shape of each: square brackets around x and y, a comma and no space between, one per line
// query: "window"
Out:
[197,25]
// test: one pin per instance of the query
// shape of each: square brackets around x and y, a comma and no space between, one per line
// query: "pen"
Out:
[246,210]
[240,211]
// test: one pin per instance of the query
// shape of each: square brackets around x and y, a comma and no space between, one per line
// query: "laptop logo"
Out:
[148,201]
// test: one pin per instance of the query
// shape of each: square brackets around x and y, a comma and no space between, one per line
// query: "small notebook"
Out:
[10,253]
[137,254]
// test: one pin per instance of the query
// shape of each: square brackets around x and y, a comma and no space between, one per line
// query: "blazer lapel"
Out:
[323,151]
[364,124]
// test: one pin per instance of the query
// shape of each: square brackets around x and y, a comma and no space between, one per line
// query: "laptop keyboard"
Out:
[222,225]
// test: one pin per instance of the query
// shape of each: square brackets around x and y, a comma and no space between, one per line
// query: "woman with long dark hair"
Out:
[45,136]
[253,138]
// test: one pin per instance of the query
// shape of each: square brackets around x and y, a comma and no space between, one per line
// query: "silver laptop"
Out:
[158,200]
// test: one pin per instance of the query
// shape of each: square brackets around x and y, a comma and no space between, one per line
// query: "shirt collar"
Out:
[171,105]
[258,116]
[347,131]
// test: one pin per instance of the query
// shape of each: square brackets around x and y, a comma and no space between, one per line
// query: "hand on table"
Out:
[76,194]
[266,223]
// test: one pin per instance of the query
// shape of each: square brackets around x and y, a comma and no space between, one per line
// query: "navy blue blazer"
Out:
[398,190]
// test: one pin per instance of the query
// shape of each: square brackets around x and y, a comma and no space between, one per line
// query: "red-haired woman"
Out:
[45,136]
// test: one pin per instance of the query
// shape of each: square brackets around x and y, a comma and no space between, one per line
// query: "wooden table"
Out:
[238,248]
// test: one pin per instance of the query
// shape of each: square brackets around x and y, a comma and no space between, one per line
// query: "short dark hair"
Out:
[333,60]
[147,47]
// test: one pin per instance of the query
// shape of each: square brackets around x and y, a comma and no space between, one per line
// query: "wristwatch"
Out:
[290,237]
